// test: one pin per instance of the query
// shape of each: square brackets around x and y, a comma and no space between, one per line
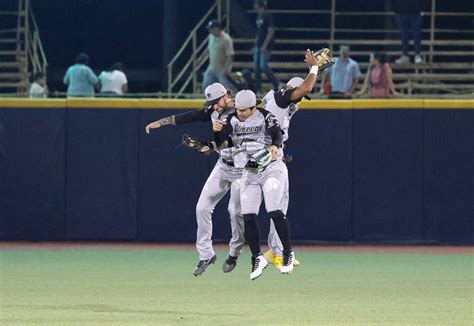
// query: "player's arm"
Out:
[222,133]
[272,128]
[308,84]
[179,119]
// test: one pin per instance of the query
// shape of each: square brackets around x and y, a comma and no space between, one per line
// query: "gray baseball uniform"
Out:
[224,177]
[280,105]
[248,137]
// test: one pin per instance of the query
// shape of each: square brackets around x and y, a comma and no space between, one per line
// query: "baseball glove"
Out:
[195,144]
[263,157]
[323,58]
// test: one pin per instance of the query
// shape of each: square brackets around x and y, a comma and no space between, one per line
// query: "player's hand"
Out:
[153,125]
[310,59]
[274,152]
[217,125]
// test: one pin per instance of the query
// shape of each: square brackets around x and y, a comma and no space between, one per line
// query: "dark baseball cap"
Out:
[214,23]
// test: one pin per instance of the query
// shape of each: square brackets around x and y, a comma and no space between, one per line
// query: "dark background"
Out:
[145,34]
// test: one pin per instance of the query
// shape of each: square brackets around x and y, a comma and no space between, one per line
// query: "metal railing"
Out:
[179,82]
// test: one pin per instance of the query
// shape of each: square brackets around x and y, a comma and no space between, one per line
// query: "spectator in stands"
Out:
[343,75]
[38,89]
[80,79]
[264,41]
[408,17]
[113,81]
[378,80]
[221,56]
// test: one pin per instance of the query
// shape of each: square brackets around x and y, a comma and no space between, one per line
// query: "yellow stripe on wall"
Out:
[170,104]
[105,103]
[449,104]
[32,103]
[389,104]
[117,103]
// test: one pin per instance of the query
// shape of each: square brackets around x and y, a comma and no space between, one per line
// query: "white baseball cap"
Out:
[214,92]
[296,82]
[246,99]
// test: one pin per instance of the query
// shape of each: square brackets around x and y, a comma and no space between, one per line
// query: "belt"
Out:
[229,163]
[248,165]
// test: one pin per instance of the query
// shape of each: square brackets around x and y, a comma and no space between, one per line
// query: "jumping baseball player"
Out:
[224,177]
[264,174]
[283,105]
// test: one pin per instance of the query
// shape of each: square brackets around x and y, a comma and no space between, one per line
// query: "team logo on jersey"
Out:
[271,121]
[292,108]
[239,130]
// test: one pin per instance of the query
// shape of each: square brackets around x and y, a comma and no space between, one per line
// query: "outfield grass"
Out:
[156,287]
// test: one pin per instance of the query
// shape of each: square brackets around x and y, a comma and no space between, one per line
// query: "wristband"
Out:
[314,70]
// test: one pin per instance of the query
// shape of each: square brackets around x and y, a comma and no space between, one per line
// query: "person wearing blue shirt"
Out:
[80,79]
[343,75]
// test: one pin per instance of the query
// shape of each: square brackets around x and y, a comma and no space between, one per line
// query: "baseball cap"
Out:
[213,93]
[213,23]
[246,99]
[296,82]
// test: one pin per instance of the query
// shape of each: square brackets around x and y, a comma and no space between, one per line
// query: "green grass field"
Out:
[156,287]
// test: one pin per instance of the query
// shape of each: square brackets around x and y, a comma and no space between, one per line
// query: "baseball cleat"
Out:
[229,264]
[259,263]
[277,260]
[288,263]
[202,265]
[273,259]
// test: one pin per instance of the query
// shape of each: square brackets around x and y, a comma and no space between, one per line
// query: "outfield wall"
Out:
[363,171]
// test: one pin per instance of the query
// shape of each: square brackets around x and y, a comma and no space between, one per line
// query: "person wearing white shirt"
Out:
[38,89]
[113,80]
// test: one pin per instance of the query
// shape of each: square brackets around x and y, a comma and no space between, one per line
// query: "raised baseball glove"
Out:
[324,59]
[195,144]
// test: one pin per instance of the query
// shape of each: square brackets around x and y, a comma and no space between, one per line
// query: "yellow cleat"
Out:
[270,257]
[276,260]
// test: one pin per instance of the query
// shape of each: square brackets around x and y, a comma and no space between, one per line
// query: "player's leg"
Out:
[237,226]
[273,181]
[214,189]
[275,254]
[250,199]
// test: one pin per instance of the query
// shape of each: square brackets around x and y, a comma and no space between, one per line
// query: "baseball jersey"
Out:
[280,105]
[251,135]
[205,115]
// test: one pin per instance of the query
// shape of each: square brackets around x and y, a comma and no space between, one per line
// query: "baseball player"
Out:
[264,174]
[224,177]
[283,104]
